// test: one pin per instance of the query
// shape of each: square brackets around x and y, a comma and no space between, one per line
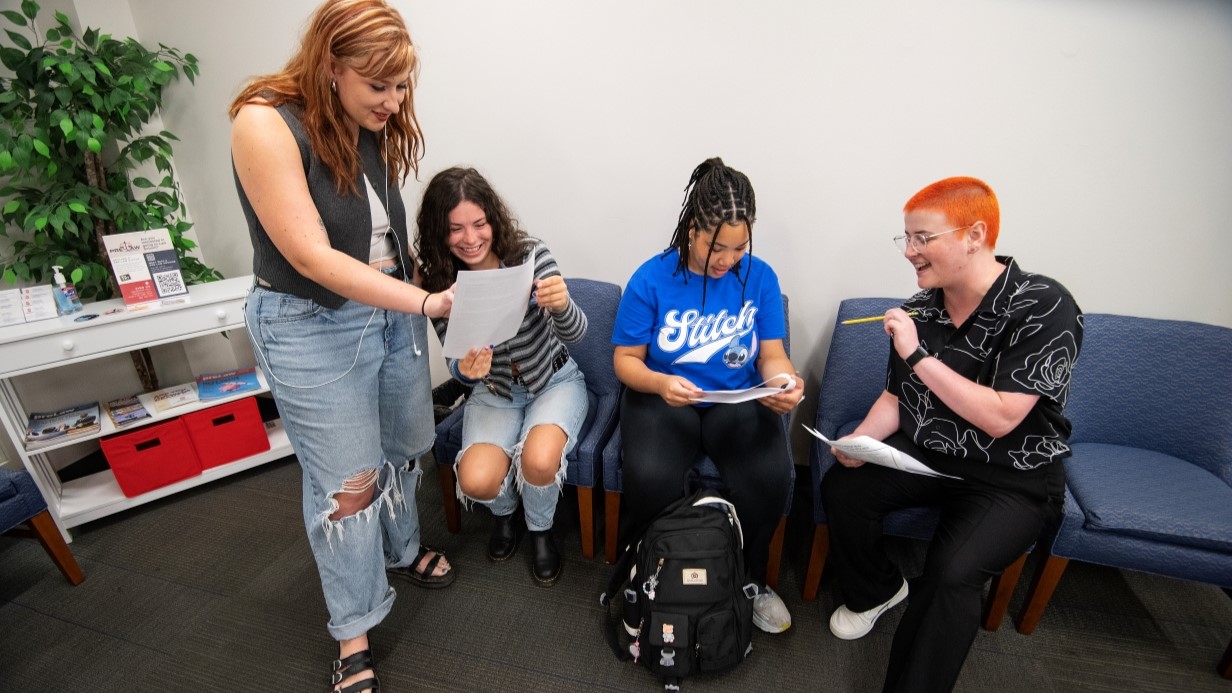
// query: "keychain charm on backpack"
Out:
[701,621]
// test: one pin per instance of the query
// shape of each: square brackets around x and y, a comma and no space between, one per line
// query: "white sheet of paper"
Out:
[756,392]
[488,307]
[877,452]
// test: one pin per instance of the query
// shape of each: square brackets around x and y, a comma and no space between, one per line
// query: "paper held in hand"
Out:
[877,452]
[488,308]
[782,382]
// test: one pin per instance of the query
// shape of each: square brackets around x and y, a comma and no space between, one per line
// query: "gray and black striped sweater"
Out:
[537,342]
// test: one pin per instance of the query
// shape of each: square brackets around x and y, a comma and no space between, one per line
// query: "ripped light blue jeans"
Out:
[490,418]
[355,395]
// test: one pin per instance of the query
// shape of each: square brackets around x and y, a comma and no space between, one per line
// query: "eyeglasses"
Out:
[919,241]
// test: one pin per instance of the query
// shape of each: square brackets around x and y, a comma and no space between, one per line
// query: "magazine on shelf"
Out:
[173,396]
[126,411]
[227,383]
[45,428]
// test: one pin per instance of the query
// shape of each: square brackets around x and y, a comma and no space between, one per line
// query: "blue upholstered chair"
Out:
[599,300]
[1149,485]
[613,460]
[22,504]
[854,377]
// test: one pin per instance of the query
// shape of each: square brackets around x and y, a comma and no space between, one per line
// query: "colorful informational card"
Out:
[145,266]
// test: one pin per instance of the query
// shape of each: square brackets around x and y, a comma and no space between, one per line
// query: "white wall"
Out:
[1102,124]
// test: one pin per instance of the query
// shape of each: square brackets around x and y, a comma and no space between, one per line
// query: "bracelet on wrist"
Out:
[423,307]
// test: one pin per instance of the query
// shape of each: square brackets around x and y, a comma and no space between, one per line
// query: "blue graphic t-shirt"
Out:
[715,346]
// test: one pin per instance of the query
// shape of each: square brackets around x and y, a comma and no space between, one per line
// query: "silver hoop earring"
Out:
[333,86]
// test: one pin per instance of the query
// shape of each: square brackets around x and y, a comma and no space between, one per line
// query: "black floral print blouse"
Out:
[1024,337]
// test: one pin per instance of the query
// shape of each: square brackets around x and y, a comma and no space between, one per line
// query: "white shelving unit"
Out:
[40,346]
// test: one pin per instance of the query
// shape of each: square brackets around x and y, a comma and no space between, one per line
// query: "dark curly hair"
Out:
[717,194]
[445,191]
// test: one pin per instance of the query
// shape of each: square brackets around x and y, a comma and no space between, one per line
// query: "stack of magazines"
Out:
[47,428]
[126,411]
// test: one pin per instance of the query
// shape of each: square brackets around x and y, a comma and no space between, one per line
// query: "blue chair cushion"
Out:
[1151,495]
[20,499]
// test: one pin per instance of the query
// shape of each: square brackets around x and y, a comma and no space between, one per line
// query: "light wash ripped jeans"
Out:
[490,418]
[354,391]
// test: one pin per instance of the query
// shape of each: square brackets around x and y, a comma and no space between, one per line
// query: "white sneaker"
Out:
[849,625]
[770,613]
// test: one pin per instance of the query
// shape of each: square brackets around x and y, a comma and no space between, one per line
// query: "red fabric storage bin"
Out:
[227,432]
[151,457]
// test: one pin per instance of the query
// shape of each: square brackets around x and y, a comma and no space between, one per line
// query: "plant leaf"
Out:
[14,17]
[41,147]
[77,207]
[66,125]
[18,40]
[94,145]
[12,206]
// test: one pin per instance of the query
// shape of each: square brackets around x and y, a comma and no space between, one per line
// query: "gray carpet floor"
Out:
[215,589]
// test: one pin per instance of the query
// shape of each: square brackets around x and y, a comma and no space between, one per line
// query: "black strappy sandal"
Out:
[354,664]
[425,578]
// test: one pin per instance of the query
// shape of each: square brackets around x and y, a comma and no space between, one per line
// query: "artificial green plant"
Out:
[73,110]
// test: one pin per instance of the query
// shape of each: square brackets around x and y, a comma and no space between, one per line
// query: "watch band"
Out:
[916,356]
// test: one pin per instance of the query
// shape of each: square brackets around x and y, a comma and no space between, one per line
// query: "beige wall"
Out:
[1101,123]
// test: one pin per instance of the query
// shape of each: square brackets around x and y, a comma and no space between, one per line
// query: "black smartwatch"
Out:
[916,356]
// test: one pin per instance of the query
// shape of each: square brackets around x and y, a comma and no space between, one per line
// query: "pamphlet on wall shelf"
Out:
[227,383]
[126,411]
[27,304]
[146,268]
[45,428]
[173,396]
[10,308]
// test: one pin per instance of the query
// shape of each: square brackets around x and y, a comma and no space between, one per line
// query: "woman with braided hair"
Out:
[706,315]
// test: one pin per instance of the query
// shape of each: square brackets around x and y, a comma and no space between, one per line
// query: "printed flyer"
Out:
[145,266]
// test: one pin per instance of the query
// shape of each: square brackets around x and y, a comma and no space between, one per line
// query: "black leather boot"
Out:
[506,533]
[545,561]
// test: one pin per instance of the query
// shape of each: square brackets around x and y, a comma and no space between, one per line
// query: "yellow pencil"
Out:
[875,318]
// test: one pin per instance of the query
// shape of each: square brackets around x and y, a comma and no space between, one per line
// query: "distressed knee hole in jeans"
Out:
[388,494]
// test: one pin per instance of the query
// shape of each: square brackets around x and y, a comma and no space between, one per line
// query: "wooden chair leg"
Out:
[775,559]
[817,561]
[1225,664]
[999,594]
[449,498]
[1047,575]
[611,531]
[586,520]
[48,534]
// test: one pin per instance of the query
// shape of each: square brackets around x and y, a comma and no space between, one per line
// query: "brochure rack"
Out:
[49,344]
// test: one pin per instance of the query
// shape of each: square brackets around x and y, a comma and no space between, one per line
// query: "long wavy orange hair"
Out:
[371,38]
[964,201]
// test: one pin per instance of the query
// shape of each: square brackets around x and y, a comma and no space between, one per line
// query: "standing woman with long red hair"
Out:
[336,316]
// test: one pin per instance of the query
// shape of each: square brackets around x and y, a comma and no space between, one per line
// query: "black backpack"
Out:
[688,602]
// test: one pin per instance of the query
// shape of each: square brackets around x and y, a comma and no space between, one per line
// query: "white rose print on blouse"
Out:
[1047,371]
[1038,450]
[937,433]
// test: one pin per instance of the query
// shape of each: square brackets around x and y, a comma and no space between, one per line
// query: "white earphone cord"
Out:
[406,274]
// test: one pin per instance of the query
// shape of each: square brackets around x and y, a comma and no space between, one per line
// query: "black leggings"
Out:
[745,441]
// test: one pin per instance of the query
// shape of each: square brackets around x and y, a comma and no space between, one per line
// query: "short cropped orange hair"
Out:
[964,201]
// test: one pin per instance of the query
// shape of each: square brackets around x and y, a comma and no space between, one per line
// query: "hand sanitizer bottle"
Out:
[66,296]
